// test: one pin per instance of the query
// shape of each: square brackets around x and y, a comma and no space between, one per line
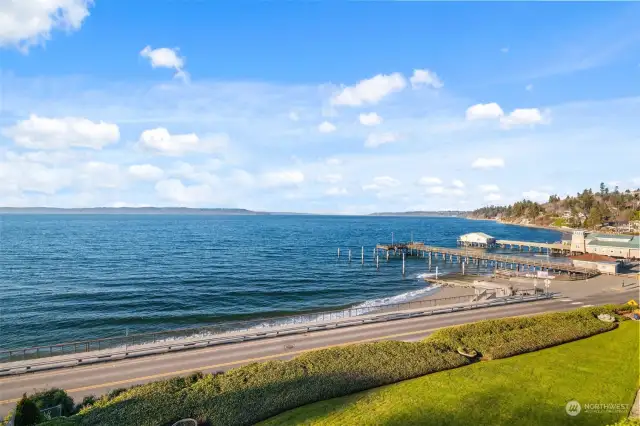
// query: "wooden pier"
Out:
[466,255]
[532,246]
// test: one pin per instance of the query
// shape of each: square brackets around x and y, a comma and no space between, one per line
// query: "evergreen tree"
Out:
[27,413]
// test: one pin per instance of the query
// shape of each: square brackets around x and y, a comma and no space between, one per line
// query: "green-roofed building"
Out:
[614,245]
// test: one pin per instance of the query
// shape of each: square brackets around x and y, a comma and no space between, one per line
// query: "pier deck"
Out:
[470,254]
[551,247]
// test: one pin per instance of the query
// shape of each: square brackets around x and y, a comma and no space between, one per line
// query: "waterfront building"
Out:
[614,245]
[598,262]
[477,239]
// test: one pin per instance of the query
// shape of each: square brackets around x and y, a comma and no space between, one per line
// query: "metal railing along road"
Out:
[83,346]
[164,347]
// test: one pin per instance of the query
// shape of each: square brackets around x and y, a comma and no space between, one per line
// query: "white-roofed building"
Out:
[476,239]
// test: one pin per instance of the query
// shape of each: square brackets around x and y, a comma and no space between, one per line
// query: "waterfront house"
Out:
[614,245]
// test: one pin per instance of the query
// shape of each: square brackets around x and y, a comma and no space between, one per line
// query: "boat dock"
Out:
[466,255]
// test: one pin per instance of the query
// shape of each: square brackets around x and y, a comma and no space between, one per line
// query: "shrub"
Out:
[52,398]
[627,422]
[506,337]
[27,413]
[255,392]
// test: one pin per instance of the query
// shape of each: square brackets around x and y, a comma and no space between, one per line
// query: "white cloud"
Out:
[487,163]
[25,23]
[381,182]
[332,178]
[484,111]
[458,183]
[534,195]
[370,119]
[160,140]
[333,161]
[523,117]
[60,133]
[19,175]
[98,174]
[492,197]
[165,57]
[293,116]
[282,178]
[435,190]
[529,87]
[489,188]
[376,139]
[326,127]
[335,191]
[429,181]
[146,172]
[425,78]
[179,194]
[457,191]
[370,91]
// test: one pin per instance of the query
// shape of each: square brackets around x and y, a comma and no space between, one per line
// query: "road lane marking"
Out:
[576,303]
[565,300]
[226,364]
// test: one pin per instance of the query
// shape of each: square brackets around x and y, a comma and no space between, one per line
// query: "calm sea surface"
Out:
[68,277]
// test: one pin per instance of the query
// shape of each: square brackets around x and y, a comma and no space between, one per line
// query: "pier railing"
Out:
[83,346]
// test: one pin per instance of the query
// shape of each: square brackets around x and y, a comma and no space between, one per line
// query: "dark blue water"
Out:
[68,277]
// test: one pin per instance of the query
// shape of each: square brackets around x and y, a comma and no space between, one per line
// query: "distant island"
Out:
[128,210]
[446,213]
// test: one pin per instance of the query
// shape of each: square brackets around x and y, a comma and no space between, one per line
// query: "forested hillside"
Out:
[588,209]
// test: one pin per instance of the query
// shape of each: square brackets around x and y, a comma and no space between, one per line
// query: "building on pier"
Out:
[477,239]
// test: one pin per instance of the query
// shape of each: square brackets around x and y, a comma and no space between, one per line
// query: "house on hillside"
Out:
[476,239]
[597,262]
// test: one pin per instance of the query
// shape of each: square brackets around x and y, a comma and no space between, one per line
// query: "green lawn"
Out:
[529,389]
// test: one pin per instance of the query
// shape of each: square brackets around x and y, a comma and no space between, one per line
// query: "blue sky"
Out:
[324,107]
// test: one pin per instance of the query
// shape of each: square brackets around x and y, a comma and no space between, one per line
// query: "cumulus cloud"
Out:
[489,188]
[492,197]
[487,163]
[522,117]
[370,91]
[458,183]
[98,174]
[332,178]
[326,127]
[335,192]
[163,142]
[484,111]
[425,78]
[179,194]
[370,119]
[61,133]
[374,140]
[381,182]
[435,190]
[147,172]
[429,181]
[165,57]
[534,195]
[19,175]
[25,23]
[282,178]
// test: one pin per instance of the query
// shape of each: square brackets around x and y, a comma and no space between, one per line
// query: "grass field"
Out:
[529,389]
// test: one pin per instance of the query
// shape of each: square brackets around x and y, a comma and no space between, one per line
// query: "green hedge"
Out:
[254,392]
[507,337]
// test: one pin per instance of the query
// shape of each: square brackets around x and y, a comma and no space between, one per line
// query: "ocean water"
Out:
[71,277]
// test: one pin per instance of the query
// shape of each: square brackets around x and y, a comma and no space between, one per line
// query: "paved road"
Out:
[99,379]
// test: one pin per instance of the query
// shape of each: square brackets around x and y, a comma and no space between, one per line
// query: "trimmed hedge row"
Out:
[502,338]
[255,392]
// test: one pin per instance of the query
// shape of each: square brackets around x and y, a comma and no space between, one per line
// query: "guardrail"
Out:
[83,346]
[123,353]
